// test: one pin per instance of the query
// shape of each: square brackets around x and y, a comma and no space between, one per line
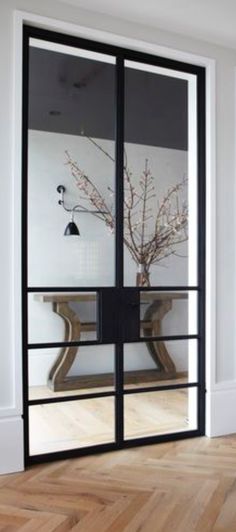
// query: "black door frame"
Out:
[121,55]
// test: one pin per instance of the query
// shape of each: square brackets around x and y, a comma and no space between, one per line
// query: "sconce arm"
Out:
[77,208]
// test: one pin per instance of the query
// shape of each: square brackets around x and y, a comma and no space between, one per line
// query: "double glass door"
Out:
[113,247]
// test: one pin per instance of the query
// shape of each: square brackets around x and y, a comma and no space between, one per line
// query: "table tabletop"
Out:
[148,296]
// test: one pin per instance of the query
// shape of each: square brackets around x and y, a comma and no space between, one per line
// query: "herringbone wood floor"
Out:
[183,486]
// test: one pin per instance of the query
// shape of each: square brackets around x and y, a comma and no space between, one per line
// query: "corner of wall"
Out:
[221,414]
[11,445]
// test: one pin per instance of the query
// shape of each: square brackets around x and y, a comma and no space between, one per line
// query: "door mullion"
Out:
[119,353]
[119,404]
[119,169]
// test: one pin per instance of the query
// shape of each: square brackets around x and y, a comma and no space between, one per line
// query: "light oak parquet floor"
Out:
[182,486]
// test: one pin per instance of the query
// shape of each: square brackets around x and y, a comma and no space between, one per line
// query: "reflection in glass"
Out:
[160,182]
[50,313]
[168,313]
[70,425]
[163,412]
[70,143]
[70,371]
[144,363]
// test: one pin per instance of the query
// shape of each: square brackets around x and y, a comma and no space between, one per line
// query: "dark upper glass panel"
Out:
[156,110]
[71,143]
[74,91]
[160,177]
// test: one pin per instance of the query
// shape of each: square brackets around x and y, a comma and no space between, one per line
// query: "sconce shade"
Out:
[71,229]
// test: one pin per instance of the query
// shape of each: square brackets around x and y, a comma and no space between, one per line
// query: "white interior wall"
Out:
[223,377]
[55,260]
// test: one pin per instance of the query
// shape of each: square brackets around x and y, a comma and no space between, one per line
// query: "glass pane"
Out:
[164,412]
[71,425]
[70,371]
[160,177]
[50,313]
[70,146]
[160,363]
[168,313]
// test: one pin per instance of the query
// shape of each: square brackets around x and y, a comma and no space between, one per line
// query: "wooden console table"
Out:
[151,324]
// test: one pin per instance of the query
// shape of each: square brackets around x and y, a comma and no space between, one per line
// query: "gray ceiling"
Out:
[73,95]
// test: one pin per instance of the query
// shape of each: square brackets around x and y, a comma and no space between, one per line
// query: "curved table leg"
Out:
[57,379]
[154,314]
[66,357]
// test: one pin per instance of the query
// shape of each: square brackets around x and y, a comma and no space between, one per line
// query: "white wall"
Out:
[10,391]
[55,260]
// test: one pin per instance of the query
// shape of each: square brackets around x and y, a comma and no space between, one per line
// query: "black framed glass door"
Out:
[113,247]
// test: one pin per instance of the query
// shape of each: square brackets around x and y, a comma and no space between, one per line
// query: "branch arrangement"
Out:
[153,227]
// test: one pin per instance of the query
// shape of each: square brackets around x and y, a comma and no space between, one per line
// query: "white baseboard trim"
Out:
[221,410]
[11,445]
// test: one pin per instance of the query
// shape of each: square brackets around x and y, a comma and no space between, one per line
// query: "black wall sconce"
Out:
[71,228]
